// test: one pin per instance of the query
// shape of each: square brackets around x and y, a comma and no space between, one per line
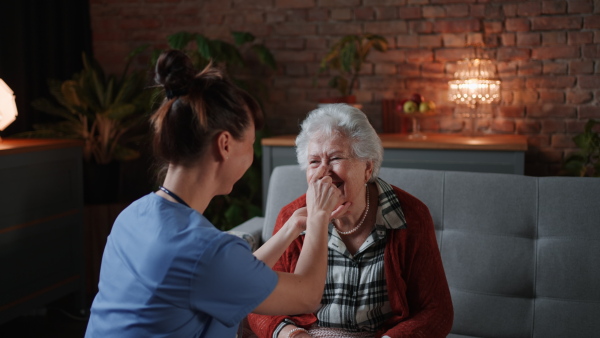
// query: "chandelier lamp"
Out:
[475,85]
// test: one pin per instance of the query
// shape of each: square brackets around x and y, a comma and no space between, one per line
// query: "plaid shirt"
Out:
[355,296]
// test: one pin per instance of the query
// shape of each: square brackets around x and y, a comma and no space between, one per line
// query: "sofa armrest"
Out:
[250,231]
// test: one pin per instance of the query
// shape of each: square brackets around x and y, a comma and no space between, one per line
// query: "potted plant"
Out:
[106,112]
[345,59]
[586,161]
[246,62]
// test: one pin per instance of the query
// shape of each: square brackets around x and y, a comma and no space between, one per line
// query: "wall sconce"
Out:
[8,107]
[475,84]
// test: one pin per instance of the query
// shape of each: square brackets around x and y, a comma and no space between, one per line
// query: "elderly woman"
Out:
[385,276]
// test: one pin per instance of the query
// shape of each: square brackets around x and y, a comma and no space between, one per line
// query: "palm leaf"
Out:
[241,38]
[264,56]
[180,40]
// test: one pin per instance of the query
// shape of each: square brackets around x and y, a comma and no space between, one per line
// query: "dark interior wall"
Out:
[39,40]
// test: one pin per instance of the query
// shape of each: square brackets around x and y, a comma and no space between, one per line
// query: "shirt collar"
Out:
[389,211]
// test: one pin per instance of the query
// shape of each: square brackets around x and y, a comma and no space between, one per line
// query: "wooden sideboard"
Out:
[457,152]
[41,224]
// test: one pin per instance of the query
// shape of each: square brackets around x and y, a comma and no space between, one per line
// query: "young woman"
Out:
[166,270]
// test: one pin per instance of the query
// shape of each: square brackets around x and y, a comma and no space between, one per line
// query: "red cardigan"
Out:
[416,282]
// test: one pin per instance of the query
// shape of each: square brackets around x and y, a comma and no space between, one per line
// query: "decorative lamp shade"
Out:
[475,83]
[8,107]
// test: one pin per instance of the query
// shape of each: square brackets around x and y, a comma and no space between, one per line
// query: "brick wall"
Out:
[546,53]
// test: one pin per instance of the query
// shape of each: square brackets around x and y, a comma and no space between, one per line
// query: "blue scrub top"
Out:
[168,272]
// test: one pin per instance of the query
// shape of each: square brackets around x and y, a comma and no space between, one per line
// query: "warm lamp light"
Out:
[8,107]
[475,85]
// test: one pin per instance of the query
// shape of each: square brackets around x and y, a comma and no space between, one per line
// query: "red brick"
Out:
[551,110]
[555,67]
[433,69]
[528,9]
[556,23]
[407,41]
[562,141]
[339,28]
[552,97]
[457,26]
[508,39]
[385,13]
[540,141]
[503,126]
[509,10]
[580,38]
[295,69]
[554,38]
[591,52]
[317,14]
[408,70]
[317,43]
[419,55]
[475,39]
[580,6]
[581,67]
[591,22]
[275,17]
[343,14]
[529,127]
[434,12]
[514,54]
[386,27]
[388,56]
[589,81]
[554,7]
[337,3]
[517,25]
[527,97]
[589,112]
[506,68]
[458,11]
[477,10]
[430,41]
[294,4]
[295,29]
[553,126]
[452,54]
[511,111]
[364,13]
[388,3]
[410,13]
[492,27]
[295,43]
[579,97]
[551,82]
[420,27]
[528,39]
[529,68]
[454,40]
[546,53]
[385,68]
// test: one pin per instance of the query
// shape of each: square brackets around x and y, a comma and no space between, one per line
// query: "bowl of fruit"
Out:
[416,107]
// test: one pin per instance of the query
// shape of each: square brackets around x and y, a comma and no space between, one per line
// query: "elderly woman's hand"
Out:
[323,195]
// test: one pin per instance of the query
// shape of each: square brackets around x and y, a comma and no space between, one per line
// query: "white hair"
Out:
[348,121]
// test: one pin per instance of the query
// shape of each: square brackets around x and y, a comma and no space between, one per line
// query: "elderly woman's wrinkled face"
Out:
[349,174]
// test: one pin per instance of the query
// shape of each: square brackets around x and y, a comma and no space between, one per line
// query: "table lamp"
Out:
[475,84]
[8,107]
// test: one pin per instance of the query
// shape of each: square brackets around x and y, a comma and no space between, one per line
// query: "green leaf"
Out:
[241,38]
[204,47]
[265,56]
[120,112]
[180,40]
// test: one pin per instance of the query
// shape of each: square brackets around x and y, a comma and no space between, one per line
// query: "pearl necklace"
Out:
[361,221]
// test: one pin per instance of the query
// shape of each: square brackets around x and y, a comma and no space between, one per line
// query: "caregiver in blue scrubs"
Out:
[166,270]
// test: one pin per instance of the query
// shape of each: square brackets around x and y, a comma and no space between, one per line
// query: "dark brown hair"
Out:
[196,108]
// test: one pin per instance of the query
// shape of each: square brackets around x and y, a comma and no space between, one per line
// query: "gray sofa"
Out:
[520,253]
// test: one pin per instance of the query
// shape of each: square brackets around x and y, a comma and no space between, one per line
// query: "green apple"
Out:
[424,107]
[410,107]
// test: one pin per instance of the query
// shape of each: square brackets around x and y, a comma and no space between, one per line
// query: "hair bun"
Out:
[174,71]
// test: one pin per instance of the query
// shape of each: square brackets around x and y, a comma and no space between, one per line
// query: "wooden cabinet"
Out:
[489,153]
[41,224]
